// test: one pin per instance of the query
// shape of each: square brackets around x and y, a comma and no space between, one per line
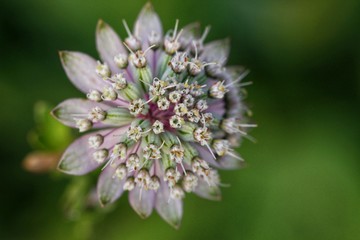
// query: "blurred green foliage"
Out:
[302,179]
[48,134]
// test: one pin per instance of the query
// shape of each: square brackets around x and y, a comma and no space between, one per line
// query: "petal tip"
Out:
[101,24]
[64,56]
[175,224]
[61,167]
[148,6]
[142,215]
[104,201]
[54,113]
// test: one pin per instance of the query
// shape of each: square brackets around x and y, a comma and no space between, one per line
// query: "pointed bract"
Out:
[228,162]
[68,111]
[108,44]
[147,23]
[190,32]
[207,191]
[109,186]
[217,51]
[169,209]
[78,157]
[80,69]
[142,201]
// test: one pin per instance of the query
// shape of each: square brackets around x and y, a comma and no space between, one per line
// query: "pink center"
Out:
[163,116]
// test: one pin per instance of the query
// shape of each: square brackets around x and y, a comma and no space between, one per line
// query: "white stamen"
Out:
[210,150]
[128,48]
[205,33]
[248,125]
[244,74]
[127,28]
[175,28]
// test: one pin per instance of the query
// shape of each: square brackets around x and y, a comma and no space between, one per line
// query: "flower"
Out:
[165,111]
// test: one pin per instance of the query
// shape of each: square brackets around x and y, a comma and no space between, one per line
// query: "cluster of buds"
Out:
[166,110]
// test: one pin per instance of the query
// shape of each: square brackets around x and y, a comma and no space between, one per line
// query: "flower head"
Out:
[165,114]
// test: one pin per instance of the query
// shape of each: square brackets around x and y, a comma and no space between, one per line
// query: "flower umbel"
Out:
[164,114]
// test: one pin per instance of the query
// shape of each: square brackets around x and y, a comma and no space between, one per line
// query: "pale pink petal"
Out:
[78,157]
[190,32]
[142,201]
[205,154]
[216,51]
[147,22]
[204,190]
[217,108]
[108,44]
[233,97]
[80,69]
[109,186]
[68,111]
[169,209]
[229,162]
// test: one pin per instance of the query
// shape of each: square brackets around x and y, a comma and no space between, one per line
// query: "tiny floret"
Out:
[97,114]
[109,94]
[129,184]
[94,95]
[176,121]
[136,107]
[96,140]
[83,124]
[133,162]
[218,90]
[103,70]
[120,172]
[121,60]
[158,127]
[100,155]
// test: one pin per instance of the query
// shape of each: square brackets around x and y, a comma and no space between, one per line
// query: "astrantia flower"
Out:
[162,111]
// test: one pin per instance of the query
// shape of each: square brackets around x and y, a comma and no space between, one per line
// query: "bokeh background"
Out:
[302,180]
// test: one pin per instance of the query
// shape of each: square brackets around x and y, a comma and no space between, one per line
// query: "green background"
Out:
[302,179]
